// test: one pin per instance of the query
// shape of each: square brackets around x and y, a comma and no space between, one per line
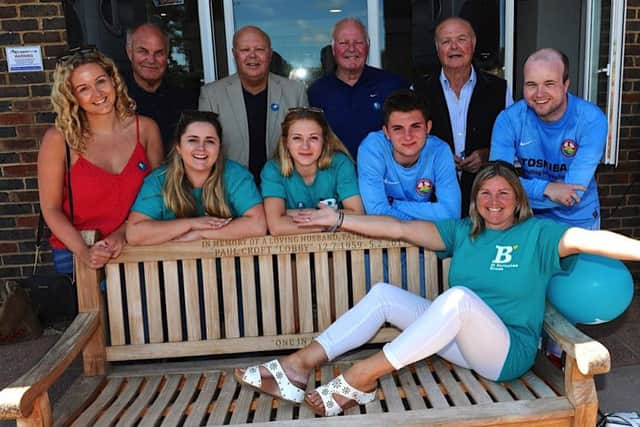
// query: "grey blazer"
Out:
[224,97]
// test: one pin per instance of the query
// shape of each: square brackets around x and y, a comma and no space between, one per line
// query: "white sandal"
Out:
[341,387]
[286,390]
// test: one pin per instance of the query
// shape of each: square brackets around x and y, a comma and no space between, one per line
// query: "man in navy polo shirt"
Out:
[352,97]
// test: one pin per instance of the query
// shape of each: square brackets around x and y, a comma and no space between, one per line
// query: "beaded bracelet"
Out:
[338,223]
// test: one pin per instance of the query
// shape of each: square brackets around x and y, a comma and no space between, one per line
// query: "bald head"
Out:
[251,29]
[553,57]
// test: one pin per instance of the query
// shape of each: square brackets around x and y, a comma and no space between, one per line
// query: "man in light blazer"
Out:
[252,103]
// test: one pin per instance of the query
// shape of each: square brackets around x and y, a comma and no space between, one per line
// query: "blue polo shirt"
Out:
[354,111]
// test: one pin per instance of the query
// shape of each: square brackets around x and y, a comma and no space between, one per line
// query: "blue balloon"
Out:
[596,290]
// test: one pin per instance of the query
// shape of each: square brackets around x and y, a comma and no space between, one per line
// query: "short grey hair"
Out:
[352,20]
[131,32]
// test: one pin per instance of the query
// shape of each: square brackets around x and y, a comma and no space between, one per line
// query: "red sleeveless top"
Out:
[101,199]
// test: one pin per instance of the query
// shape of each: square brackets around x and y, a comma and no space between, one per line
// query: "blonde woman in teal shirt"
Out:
[310,166]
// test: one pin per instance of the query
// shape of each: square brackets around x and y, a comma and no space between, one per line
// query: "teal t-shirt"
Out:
[508,269]
[339,181]
[240,192]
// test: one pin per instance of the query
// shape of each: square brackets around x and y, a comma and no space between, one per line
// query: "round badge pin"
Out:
[142,165]
[275,107]
[377,105]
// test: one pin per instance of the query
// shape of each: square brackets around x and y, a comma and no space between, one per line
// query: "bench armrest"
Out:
[591,357]
[17,399]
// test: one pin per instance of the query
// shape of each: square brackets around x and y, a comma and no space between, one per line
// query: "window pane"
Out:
[298,30]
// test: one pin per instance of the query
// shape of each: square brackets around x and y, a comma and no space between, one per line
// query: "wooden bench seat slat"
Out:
[391,396]
[133,412]
[452,387]
[496,390]
[191,299]
[154,305]
[285,286]
[446,264]
[211,307]
[134,303]
[200,406]
[114,304]
[267,295]
[341,283]
[165,395]
[434,394]
[222,403]
[81,393]
[395,266]
[129,391]
[109,392]
[305,304]
[540,388]
[358,277]
[376,266]
[520,390]
[431,275]
[230,297]
[412,394]
[285,411]
[242,406]
[249,304]
[172,300]
[178,407]
[304,411]
[263,408]
[323,291]
[474,387]
[413,270]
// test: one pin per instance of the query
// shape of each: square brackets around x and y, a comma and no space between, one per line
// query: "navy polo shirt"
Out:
[354,111]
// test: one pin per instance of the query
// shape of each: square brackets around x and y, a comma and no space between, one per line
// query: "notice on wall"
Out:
[160,3]
[24,58]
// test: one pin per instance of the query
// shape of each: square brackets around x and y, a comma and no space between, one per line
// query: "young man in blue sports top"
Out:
[557,138]
[402,170]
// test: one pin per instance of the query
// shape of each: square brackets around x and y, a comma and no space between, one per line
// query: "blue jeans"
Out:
[63,261]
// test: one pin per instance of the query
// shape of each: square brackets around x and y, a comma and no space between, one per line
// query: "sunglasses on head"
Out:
[75,52]
[306,110]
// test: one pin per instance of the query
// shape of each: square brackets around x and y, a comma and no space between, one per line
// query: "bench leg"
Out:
[40,416]
[581,392]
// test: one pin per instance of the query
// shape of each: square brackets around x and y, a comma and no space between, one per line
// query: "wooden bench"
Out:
[159,349]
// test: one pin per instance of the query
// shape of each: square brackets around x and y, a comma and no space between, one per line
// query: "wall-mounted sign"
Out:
[24,58]
[159,3]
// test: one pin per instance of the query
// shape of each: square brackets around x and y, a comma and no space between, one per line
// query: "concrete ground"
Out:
[618,391]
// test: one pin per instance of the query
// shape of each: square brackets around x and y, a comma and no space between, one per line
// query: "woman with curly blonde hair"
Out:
[310,166]
[197,194]
[92,163]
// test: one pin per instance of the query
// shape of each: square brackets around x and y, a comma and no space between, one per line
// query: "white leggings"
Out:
[457,325]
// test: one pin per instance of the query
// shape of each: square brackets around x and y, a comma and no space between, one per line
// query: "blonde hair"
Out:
[71,120]
[177,189]
[330,142]
[507,171]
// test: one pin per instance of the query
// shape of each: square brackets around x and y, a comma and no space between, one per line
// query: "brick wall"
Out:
[25,113]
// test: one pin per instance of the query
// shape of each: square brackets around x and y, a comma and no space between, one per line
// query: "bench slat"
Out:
[539,387]
[168,390]
[154,306]
[117,407]
[221,407]
[267,295]
[475,389]
[323,291]
[134,303]
[412,394]
[230,297]
[242,406]
[519,390]
[341,283]
[496,390]
[395,266]
[211,307]
[375,266]
[249,304]
[201,405]
[431,388]
[285,287]
[358,275]
[452,387]
[131,415]
[191,299]
[114,304]
[304,411]
[391,396]
[172,300]
[177,410]
[431,275]
[303,280]
[446,264]
[89,416]
[263,408]
[413,270]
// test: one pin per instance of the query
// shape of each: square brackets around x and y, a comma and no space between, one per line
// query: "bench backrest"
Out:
[256,294]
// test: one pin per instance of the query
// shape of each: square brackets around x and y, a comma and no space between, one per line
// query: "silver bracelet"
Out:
[338,223]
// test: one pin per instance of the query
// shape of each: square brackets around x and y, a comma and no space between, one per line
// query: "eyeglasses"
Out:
[74,52]
[306,110]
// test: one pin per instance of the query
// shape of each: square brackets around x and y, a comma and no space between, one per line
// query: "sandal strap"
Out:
[287,389]
[341,387]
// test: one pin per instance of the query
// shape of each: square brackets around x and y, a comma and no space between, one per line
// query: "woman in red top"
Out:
[111,150]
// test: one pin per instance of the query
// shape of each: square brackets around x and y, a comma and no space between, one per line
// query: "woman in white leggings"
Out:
[489,320]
